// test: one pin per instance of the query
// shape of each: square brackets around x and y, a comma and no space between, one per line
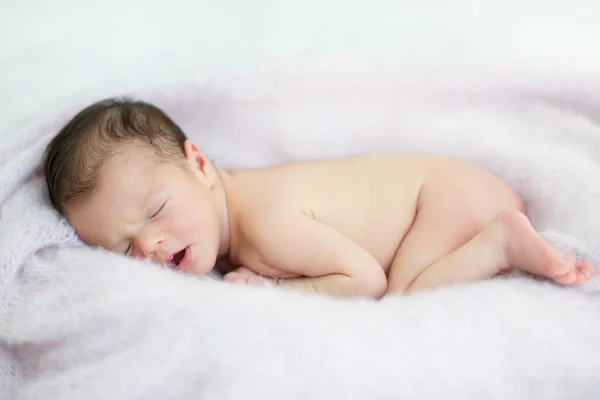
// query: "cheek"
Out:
[192,219]
[204,219]
[194,215]
[179,224]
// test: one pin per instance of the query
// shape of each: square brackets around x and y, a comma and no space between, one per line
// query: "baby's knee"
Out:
[512,198]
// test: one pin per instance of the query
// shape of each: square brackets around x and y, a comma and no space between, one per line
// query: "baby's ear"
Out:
[199,162]
[194,156]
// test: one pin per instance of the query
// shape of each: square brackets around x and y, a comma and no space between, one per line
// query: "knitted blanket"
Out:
[82,323]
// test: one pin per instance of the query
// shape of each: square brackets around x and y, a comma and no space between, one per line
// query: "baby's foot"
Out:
[575,276]
[527,251]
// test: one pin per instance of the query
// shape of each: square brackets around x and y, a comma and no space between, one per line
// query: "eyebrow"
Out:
[149,197]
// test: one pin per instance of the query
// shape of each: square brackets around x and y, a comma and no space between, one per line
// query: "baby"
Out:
[128,180]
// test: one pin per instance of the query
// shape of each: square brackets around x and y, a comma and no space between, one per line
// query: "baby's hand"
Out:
[245,276]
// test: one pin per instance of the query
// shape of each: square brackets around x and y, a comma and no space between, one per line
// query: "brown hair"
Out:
[75,155]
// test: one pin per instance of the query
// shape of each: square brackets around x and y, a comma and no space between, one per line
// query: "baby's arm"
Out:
[329,262]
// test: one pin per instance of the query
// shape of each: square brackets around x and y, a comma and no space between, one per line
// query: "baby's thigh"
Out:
[455,205]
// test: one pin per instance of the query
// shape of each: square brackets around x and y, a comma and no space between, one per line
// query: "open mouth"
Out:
[180,260]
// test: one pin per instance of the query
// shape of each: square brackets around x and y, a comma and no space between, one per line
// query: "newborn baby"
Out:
[128,180]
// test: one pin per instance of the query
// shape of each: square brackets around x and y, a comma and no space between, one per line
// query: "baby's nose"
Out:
[150,246]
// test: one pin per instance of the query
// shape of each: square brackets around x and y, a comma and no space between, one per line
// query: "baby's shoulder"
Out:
[262,228]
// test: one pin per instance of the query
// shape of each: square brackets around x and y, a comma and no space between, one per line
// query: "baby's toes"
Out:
[581,279]
[586,270]
[567,263]
[567,278]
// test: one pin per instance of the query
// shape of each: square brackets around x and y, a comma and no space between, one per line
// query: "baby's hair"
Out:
[74,157]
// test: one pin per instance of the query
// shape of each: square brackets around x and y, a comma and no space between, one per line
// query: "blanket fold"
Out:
[82,323]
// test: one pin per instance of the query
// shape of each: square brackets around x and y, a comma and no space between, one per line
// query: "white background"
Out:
[54,50]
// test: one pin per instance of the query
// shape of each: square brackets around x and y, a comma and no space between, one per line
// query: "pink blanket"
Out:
[79,323]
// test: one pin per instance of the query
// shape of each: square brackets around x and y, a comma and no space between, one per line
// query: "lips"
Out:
[181,260]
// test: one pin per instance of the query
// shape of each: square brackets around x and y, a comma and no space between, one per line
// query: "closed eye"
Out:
[159,210]
[128,249]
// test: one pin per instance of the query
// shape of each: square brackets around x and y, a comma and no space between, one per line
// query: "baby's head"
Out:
[127,179]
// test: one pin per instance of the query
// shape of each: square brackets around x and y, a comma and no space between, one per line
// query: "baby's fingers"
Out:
[258,281]
[234,277]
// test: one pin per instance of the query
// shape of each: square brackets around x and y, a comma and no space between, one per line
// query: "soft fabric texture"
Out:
[81,323]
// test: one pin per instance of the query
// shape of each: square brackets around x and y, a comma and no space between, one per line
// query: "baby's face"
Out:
[147,209]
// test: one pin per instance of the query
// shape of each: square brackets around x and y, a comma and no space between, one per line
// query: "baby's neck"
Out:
[227,214]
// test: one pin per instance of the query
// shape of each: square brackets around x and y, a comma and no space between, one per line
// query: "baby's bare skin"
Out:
[349,226]
[356,226]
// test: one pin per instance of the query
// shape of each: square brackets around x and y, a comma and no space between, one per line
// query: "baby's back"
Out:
[372,199]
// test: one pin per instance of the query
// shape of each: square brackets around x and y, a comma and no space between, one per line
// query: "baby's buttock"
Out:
[385,199]
[480,190]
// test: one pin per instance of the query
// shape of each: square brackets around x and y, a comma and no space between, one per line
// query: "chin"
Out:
[195,270]
[201,268]
[200,263]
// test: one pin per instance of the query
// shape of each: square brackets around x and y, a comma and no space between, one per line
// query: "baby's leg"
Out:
[469,229]
[509,241]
